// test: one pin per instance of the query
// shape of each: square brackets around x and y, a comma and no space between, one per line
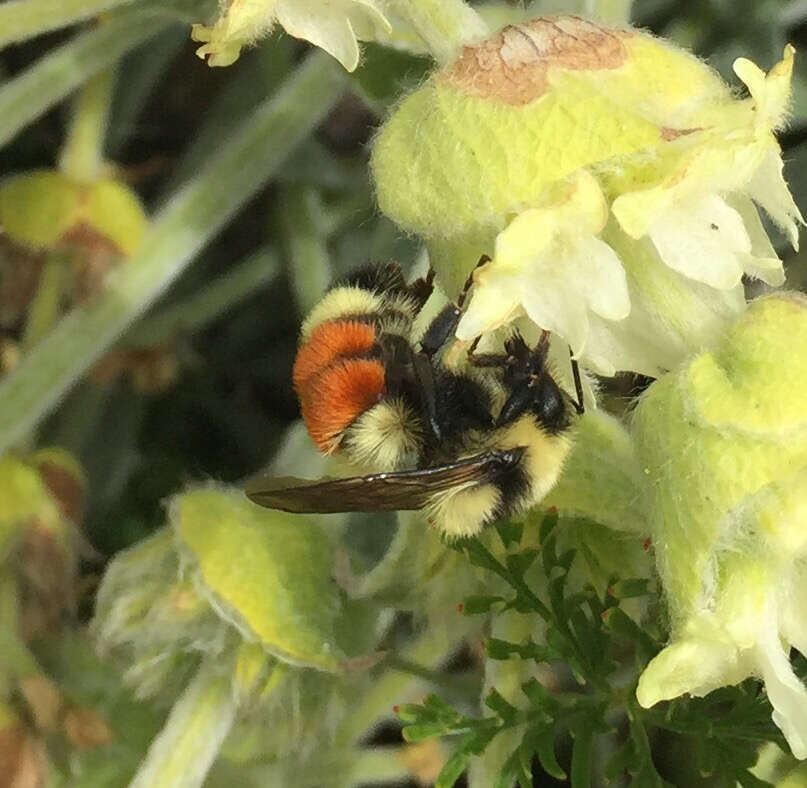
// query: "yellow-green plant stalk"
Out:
[723,445]
[612,177]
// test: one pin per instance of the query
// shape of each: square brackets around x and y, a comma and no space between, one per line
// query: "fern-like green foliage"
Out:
[605,648]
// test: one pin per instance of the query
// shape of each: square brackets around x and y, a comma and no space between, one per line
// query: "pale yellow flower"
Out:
[333,25]
[722,443]
[613,178]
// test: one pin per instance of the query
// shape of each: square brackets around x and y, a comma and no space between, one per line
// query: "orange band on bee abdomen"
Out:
[329,342]
[333,399]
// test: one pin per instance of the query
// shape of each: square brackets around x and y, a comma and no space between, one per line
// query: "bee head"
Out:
[531,386]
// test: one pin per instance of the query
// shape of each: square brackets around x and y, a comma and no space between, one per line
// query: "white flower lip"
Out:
[550,265]
[556,263]
[689,216]
[708,656]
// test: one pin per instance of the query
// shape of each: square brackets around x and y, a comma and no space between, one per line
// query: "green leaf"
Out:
[501,649]
[474,605]
[632,587]
[508,774]
[480,556]
[440,710]
[211,302]
[411,713]
[519,563]
[549,557]
[267,572]
[453,769]
[539,696]
[543,743]
[524,758]
[616,620]
[620,762]
[424,730]
[580,772]
[496,702]
[504,649]
[510,532]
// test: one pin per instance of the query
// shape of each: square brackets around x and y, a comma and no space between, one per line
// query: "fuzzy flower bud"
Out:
[723,443]
[46,210]
[611,176]
[224,607]
[335,26]
[41,501]
[224,573]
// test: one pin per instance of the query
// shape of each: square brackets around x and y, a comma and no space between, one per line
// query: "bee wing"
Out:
[379,492]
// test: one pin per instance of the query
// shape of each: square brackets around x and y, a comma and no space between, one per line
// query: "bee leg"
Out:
[578,385]
[539,352]
[539,359]
[421,289]
[442,328]
[483,260]
[487,359]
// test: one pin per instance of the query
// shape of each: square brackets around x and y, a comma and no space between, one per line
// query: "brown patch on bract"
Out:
[44,701]
[668,135]
[46,573]
[66,489]
[20,269]
[512,65]
[22,759]
[150,369]
[93,255]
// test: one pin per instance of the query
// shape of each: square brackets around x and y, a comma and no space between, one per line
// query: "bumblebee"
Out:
[467,443]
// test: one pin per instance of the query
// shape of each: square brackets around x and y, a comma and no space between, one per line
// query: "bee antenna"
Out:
[578,385]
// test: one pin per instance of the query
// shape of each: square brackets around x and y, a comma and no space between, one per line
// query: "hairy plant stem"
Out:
[22,19]
[444,25]
[184,751]
[54,76]
[210,303]
[82,156]
[308,263]
[244,162]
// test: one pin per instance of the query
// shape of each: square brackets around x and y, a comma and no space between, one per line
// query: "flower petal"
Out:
[599,278]
[763,262]
[702,240]
[554,304]
[696,664]
[494,303]
[787,694]
[770,93]
[243,22]
[768,188]
[331,26]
